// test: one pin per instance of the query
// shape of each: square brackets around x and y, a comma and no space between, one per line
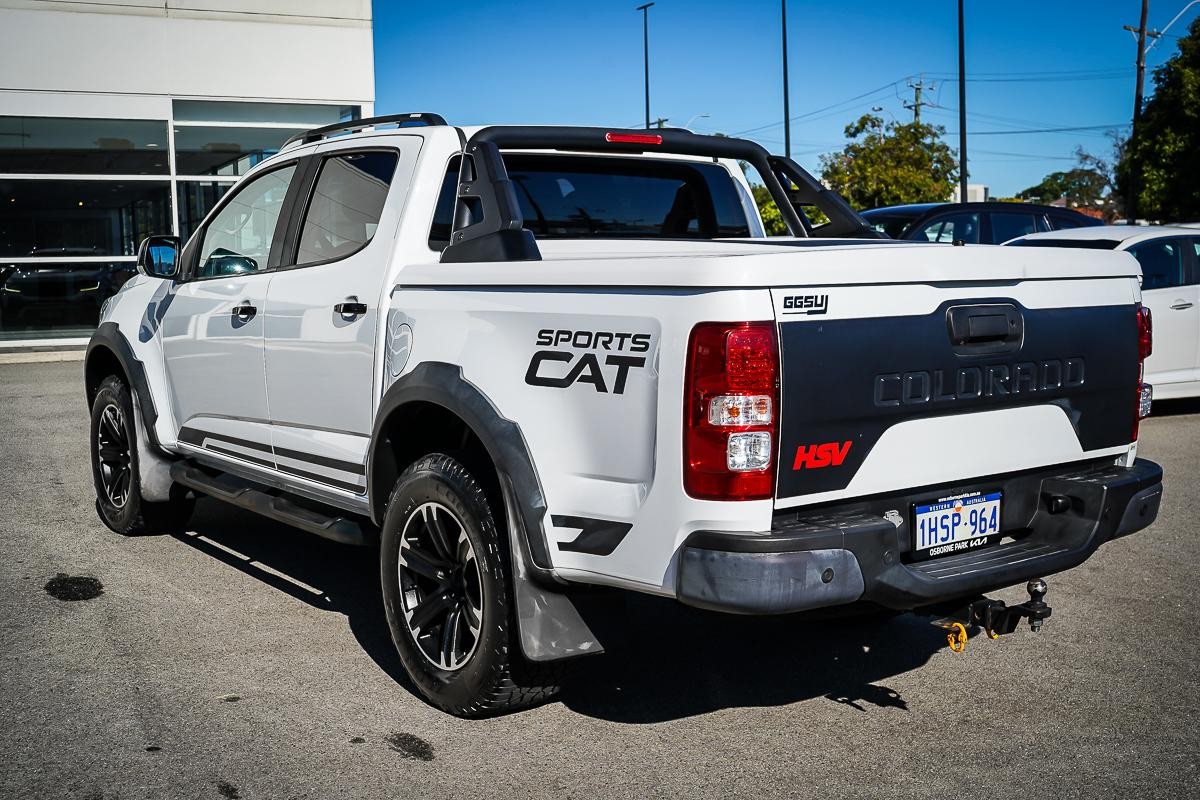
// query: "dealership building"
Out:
[124,118]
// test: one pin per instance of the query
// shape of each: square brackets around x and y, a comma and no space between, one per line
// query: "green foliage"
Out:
[1165,149]
[889,164]
[772,219]
[1079,187]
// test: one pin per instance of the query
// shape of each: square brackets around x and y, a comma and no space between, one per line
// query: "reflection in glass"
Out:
[238,240]
[96,146]
[196,199]
[97,218]
[346,205]
[226,151]
[40,299]
[302,115]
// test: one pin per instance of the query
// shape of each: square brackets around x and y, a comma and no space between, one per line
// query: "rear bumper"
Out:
[853,553]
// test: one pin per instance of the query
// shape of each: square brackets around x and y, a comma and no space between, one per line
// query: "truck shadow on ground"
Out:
[664,661]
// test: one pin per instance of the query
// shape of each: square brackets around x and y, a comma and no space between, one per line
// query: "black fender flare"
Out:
[108,337]
[549,623]
[443,385]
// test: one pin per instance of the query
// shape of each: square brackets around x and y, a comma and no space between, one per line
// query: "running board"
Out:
[253,497]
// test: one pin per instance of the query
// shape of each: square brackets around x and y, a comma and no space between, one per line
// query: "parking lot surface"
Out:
[245,659]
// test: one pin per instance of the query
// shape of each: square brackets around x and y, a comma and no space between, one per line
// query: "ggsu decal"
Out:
[586,367]
[817,456]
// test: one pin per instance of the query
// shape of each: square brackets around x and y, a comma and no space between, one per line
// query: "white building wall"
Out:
[308,50]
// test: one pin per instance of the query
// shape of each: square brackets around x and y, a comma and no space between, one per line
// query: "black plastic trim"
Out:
[597,537]
[443,385]
[108,336]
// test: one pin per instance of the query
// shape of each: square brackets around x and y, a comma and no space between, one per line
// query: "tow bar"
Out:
[995,617]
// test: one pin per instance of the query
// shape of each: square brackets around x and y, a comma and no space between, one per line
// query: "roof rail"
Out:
[356,125]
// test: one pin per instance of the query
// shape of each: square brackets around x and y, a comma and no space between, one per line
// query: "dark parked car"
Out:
[973,223]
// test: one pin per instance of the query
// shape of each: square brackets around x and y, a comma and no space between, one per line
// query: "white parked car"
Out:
[1170,259]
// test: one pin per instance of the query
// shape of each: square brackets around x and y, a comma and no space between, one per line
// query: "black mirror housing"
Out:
[158,256]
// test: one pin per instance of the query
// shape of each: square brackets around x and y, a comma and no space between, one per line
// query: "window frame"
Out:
[191,262]
[299,213]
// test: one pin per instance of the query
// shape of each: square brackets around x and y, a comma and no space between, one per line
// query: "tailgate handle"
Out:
[985,328]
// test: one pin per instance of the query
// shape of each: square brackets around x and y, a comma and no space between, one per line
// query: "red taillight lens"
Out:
[633,138]
[1145,333]
[731,411]
[1145,392]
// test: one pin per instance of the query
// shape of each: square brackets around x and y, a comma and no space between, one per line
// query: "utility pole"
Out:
[917,102]
[661,122]
[646,54]
[787,114]
[1134,177]
[962,109]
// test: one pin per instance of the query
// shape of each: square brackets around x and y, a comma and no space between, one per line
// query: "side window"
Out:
[1162,263]
[238,240]
[951,227]
[1009,225]
[1065,222]
[346,205]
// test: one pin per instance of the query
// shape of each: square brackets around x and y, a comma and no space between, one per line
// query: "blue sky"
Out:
[1031,65]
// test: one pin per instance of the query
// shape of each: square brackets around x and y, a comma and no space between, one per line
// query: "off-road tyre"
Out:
[113,443]
[493,677]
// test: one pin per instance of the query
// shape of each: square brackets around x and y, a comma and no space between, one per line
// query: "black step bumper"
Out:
[859,552]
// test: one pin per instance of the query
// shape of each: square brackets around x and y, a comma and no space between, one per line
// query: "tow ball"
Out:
[995,617]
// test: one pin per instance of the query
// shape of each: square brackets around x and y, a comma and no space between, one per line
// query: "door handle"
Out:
[244,312]
[1180,305]
[351,309]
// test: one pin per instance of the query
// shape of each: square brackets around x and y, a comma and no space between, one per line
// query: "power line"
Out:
[886,86]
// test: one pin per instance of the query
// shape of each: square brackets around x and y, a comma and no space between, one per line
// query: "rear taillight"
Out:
[1145,392]
[731,411]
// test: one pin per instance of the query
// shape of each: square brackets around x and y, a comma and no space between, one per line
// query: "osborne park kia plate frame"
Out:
[955,524]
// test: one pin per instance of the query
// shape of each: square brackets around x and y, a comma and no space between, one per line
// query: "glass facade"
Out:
[77,196]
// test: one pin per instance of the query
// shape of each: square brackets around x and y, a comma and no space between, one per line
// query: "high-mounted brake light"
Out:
[633,138]
[731,398]
[1145,392]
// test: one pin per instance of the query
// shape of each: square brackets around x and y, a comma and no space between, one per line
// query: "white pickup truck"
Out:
[525,361]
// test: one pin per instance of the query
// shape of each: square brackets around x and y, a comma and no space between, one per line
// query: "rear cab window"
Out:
[581,197]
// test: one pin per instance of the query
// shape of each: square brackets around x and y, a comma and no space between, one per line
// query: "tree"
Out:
[889,164]
[1078,187]
[1165,150]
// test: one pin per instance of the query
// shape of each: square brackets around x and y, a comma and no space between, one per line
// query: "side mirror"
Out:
[158,256]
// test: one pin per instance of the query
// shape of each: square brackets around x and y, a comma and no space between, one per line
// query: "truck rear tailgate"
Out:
[896,386]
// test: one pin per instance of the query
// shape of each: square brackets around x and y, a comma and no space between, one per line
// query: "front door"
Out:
[323,310]
[1170,291]
[212,331]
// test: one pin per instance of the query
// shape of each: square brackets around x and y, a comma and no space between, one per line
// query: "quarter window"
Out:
[238,240]
[346,205]
[1162,263]
[1008,225]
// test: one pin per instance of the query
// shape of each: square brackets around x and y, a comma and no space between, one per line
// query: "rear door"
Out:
[212,329]
[1170,291]
[322,312]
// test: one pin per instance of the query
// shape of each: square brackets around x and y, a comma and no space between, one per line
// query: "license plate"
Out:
[955,524]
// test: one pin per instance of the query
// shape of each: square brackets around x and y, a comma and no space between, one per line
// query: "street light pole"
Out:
[646,53]
[787,116]
[962,109]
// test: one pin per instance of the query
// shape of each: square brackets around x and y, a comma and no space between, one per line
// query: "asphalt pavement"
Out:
[247,660]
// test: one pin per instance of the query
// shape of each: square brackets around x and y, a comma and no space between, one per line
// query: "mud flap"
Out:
[550,626]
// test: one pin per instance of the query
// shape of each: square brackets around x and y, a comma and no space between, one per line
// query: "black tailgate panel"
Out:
[850,380]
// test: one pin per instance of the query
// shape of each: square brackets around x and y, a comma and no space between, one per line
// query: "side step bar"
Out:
[252,497]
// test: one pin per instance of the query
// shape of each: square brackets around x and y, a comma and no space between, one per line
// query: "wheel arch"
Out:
[108,353]
[549,623]
[435,406]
